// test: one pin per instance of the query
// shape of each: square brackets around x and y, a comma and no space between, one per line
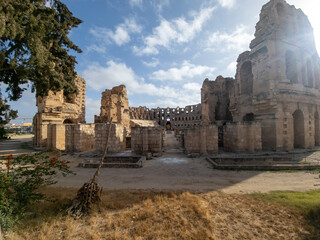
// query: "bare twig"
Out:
[90,192]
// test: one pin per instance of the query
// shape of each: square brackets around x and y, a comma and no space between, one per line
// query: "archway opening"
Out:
[168,126]
[246,78]
[310,74]
[248,117]
[298,129]
[291,67]
[68,121]
[316,129]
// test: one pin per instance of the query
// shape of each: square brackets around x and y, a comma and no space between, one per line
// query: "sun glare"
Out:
[312,9]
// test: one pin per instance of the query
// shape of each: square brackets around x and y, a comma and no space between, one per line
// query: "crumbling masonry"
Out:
[273,103]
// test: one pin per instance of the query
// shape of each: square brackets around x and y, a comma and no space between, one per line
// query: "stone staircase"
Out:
[170,143]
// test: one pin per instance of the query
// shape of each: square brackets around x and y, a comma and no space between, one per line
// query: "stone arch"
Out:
[69,121]
[249,117]
[246,78]
[217,111]
[316,129]
[291,67]
[298,129]
[309,73]
[168,125]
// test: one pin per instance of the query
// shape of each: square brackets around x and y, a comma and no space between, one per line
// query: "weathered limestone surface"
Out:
[71,137]
[242,137]
[117,140]
[201,139]
[273,103]
[276,83]
[143,123]
[188,116]
[147,140]
[215,100]
[56,109]
[115,105]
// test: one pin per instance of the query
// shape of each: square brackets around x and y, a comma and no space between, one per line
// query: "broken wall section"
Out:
[146,140]
[215,100]
[242,137]
[57,109]
[115,105]
[201,139]
[71,137]
[117,140]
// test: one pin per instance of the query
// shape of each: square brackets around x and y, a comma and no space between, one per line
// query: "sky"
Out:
[162,50]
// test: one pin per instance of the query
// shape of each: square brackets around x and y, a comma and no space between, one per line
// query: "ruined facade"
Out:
[273,103]
[171,118]
[57,109]
[115,105]
[276,83]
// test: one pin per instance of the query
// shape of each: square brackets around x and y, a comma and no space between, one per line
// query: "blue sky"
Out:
[162,50]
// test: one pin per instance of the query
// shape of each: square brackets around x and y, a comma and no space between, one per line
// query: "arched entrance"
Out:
[248,117]
[298,129]
[316,129]
[68,121]
[168,124]
[246,78]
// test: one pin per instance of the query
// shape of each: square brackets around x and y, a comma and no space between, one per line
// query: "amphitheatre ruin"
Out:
[272,103]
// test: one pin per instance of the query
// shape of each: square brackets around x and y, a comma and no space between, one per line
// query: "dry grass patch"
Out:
[164,215]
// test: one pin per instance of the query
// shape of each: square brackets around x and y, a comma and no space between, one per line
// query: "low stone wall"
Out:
[117,141]
[80,137]
[71,137]
[201,139]
[146,139]
[242,137]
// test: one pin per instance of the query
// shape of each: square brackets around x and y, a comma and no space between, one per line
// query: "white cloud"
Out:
[227,3]
[92,108]
[187,71]
[192,86]
[189,94]
[162,4]
[155,62]
[101,77]
[238,40]
[96,48]
[232,67]
[113,74]
[136,3]
[178,30]
[120,35]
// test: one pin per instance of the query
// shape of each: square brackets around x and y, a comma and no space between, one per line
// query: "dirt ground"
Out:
[175,171]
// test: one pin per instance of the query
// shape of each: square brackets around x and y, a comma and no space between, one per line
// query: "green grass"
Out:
[302,201]
[305,203]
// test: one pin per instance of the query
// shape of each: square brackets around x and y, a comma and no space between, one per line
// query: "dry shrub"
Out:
[165,215]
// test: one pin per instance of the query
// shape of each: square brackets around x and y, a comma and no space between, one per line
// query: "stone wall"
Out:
[189,116]
[57,109]
[201,139]
[115,105]
[146,140]
[242,137]
[80,137]
[71,137]
[117,141]
[215,100]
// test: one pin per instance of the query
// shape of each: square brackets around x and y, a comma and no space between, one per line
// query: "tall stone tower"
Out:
[56,109]
[277,81]
[115,105]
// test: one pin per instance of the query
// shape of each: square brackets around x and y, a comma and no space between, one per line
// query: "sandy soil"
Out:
[174,171]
